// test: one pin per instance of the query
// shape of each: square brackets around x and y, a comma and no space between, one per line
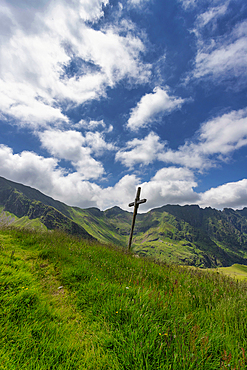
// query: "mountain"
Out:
[177,234]
[27,203]
[201,237]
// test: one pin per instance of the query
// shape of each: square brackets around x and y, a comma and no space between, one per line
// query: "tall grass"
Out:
[112,310]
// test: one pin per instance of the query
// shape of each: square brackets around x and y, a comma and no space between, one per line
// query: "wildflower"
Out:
[127,287]
[26,288]
[116,311]
[166,334]
[159,333]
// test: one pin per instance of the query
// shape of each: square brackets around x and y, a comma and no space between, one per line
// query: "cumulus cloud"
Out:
[230,195]
[216,140]
[68,145]
[19,100]
[170,185]
[28,168]
[121,194]
[142,151]
[63,144]
[151,105]
[78,149]
[91,10]
[91,125]
[96,141]
[36,89]
[45,175]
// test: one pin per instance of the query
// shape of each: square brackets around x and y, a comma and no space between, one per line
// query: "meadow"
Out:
[67,303]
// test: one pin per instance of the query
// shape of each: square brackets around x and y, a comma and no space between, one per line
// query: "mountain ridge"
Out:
[24,201]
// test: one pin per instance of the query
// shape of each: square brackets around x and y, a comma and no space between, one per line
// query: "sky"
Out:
[98,97]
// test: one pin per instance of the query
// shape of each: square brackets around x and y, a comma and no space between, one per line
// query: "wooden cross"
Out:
[136,204]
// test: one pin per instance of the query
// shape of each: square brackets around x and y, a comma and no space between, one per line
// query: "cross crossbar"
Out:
[136,204]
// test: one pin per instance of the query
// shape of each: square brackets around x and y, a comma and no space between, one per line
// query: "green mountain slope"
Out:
[111,226]
[31,194]
[191,235]
[25,204]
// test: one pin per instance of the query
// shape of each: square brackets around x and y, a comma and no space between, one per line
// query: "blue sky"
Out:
[98,97]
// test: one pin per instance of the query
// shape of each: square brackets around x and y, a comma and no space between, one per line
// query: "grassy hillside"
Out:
[66,303]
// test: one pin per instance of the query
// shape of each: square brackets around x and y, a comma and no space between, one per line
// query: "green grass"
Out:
[69,304]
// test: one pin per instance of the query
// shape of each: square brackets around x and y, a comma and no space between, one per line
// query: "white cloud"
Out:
[212,14]
[217,139]
[191,4]
[187,4]
[117,56]
[37,88]
[143,151]
[150,105]
[170,186]
[63,144]
[225,56]
[20,101]
[69,145]
[97,143]
[28,168]
[45,175]
[91,125]
[136,3]
[78,149]
[230,195]
[90,10]
[121,194]
[225,134]
[73,190]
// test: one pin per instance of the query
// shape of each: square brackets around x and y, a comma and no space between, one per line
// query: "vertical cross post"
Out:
[136,204]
